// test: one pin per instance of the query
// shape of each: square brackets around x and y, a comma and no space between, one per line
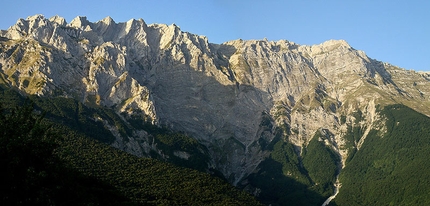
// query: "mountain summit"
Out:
[245,100]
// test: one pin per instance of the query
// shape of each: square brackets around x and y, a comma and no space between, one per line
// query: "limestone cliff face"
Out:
[232,97]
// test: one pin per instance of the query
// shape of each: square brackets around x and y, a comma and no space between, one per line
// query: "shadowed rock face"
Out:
[231,97]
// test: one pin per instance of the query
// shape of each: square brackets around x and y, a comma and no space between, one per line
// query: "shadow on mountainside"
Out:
[279,189]
[228,119]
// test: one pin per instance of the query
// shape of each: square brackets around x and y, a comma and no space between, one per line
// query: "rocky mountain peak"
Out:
[36,18]
[107,20]
[79,22]
[335,43]
[59,20]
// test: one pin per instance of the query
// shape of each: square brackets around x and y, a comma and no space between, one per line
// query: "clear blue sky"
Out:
[394,31]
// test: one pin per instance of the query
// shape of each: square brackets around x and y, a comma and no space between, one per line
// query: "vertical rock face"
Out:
[232,97]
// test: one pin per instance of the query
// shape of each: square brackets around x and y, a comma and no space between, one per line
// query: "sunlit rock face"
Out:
[233,97]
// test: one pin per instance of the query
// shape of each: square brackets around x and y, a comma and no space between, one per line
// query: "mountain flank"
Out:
[283,121]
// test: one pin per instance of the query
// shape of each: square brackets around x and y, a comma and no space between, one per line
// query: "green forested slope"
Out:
[32,174]
[50,162]
[146,180]
[320,162]
[285,178]
[392,169]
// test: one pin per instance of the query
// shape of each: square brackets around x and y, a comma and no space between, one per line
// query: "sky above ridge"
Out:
[392,31]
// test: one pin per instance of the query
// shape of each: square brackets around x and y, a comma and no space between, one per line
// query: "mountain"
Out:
[280,120]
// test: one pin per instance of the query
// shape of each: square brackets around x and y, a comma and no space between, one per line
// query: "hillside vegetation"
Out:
[51,163]
[391,169]
[287,178]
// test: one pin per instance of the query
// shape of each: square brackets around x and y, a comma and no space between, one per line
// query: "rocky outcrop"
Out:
[232,97]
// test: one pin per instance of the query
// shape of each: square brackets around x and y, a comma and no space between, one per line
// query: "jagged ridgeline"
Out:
[291,124]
